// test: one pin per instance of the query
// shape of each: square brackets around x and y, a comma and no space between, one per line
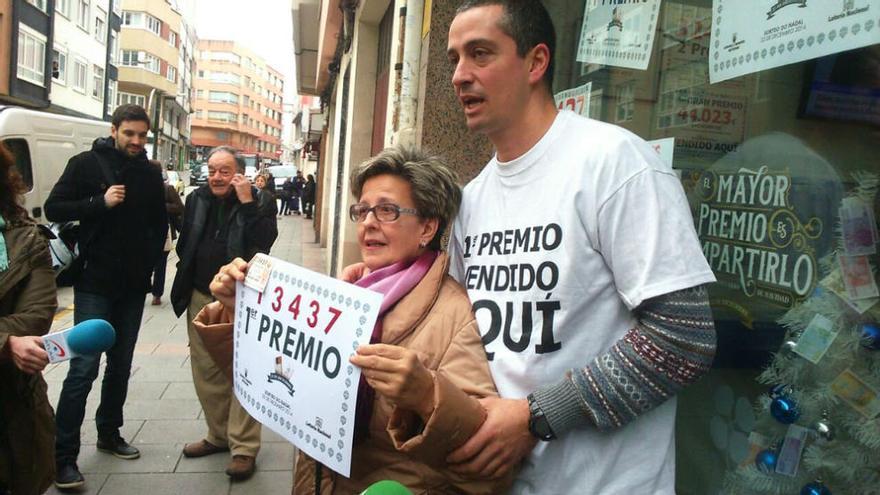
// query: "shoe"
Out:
[68,477]
[202,448]
[241,467]
[156,301]
[119,448]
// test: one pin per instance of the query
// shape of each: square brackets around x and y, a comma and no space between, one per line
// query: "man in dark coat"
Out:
[119,200]
[222,221]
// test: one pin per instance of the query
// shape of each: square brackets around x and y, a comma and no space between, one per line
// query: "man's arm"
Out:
[67,202]
[671,346]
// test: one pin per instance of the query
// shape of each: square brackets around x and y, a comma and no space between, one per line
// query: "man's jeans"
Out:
[124,313]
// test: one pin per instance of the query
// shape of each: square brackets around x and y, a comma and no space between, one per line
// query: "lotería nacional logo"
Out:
[849,8]
[781,4]
[281,376]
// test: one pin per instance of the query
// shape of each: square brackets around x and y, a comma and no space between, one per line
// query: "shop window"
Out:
[779,166]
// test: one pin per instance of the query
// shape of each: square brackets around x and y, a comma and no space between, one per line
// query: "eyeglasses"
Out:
[384,212]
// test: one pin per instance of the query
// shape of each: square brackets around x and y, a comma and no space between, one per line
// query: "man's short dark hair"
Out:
[129,112]
[528,23]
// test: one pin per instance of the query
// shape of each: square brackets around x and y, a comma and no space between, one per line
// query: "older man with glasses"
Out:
[222,221]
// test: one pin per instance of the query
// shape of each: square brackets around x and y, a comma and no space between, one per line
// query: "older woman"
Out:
[265,196]
[27,305]
[425,367]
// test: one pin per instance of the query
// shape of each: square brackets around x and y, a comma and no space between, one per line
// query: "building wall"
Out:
[5,45]
[257,127]
[443,125]
[81,45]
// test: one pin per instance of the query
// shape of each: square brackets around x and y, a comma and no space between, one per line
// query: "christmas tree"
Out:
[817,430]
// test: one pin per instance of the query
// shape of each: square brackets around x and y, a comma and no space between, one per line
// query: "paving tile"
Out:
[176,349]
[159,360]
[162,409]
[94,483]
[146,390]
[275,457]
[269,436]
[177,483]
[180,390]
[171,431]
[275,482]
[154,459]
[173,374]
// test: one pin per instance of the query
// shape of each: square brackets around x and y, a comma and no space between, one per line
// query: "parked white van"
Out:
[42,143]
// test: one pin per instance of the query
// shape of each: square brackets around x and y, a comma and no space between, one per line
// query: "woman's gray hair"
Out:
[239,161]
[435,189]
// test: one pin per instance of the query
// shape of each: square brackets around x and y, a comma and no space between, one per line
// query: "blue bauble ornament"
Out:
[784,409]
[870,336]
[765,461]
[815,488]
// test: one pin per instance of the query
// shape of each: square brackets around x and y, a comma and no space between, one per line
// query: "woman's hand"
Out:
[27,353]
[223,285]
[397,374]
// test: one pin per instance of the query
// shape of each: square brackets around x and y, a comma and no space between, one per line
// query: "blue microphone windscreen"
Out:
[91,337]
[386,487]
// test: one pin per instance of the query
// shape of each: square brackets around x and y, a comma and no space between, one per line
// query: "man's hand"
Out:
[242,188]
[114,195]
[397,374]
[500,443]
[353,273]
[27,353]
[223,284]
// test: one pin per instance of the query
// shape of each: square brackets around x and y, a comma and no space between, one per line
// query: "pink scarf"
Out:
[393,282]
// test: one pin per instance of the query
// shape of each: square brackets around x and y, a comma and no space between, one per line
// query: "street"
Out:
[162,412]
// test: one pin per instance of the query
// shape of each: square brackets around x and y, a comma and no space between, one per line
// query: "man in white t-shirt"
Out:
[578,251]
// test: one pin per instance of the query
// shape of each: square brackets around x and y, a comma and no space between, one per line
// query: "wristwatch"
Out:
[538,424]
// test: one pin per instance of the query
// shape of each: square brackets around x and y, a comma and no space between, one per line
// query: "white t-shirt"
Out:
[555,249]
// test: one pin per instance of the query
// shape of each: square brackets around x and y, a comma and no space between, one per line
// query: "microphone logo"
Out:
[55,349]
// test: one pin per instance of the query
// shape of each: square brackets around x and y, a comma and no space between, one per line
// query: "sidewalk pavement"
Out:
[162,412]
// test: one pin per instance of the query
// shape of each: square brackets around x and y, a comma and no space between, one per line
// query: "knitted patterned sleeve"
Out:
[670,347]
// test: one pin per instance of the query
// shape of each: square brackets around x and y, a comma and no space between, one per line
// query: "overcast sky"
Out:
[264,26]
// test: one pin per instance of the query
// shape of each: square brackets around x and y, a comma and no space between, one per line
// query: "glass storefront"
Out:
[779,163]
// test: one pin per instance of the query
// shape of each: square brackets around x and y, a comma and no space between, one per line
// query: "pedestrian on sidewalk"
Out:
[265,196]
[27,305]
[298,183]
[222,221]
[308,196]
[118,198]
[174,207]
[286,196]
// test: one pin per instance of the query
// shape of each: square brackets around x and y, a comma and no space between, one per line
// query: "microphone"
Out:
[386,487]
[87,337]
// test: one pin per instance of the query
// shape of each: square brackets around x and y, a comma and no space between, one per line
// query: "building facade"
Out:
[803,116]
[84,56]
[26,33]
[149,73]
[238,102]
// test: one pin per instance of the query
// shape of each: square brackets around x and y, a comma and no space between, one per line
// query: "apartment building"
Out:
[25,34]
[239,101]
[84,55]
[149,73]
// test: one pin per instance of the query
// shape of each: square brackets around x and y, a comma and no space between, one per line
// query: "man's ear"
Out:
[539,62]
